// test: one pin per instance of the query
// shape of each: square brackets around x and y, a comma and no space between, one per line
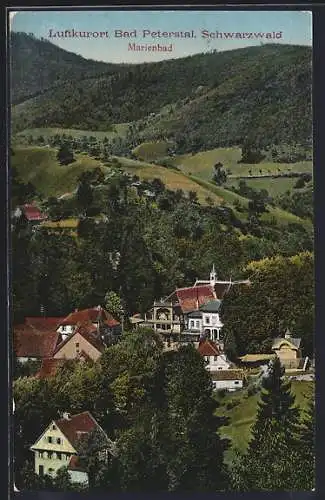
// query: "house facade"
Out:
[229,380]
[84,343]
[58,446]
[188,313]
[215,359]
[288,350]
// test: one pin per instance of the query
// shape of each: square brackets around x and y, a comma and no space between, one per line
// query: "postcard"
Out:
[161,167]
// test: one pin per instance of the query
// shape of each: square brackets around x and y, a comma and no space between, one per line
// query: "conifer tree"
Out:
[268,463]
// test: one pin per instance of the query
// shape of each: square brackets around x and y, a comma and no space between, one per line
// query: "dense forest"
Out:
[200,102]
[142,248]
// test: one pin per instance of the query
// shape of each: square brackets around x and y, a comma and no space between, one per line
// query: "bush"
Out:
[231,404]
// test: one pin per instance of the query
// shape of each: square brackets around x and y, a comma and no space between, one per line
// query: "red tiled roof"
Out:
[208,348]
[75,425]
[30,343]
[43,323]
[49,367]
[74,464]
[92,315]
[32,212]
[87,331]
[193,297]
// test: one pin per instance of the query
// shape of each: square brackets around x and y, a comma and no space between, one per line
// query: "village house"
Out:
[29,213]
[60,443]
[215,358]
[187,312]
[30,344]
[84,343]
[97,316]
[229,380]
[288,350]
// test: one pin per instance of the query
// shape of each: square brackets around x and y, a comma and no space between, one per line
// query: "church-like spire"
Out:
[213,276]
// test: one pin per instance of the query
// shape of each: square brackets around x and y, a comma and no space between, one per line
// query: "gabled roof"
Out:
[32,212]
[30,343]
[209,348]
[294,343]
[211,306]
[49,367]
[92,315]
[73,427]
[191,298]
[88,332]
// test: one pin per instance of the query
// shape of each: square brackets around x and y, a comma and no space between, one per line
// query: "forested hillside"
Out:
[200,102]
[38,65]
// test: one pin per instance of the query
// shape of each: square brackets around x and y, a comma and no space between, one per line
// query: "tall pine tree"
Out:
[269,462]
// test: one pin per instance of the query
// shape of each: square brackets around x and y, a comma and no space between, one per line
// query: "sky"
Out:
[295,28]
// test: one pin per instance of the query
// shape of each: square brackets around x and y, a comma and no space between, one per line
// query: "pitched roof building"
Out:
[60,444]
[84,341]
[33,344]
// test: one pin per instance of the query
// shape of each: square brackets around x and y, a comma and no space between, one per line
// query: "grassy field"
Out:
[118,129]
[275,187]
[201,164]
[242,416]
[150,151]
[40,166]
[171,178]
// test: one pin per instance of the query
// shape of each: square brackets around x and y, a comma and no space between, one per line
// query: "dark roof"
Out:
[93,315]
[49,367]
[88,332]
[211,306]
[30,343]
[73,427]
[209,348]
[220,290]
[227,375]
[32,213]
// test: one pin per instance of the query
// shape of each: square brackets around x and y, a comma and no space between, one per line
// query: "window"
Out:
[192,323]
[207,320]
[53,427]
[41,470]
[236,382]
[59,456]
[49,439]
[197,324]
[58,440]
[50,470]
[40,454]
[49,454]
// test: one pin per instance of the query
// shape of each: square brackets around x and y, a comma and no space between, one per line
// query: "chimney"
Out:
[66,416]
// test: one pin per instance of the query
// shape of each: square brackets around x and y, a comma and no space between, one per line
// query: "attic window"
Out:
[58,440]
[53,427]
[49,439]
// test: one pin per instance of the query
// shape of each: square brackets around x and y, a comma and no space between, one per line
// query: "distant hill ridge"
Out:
[205,100]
